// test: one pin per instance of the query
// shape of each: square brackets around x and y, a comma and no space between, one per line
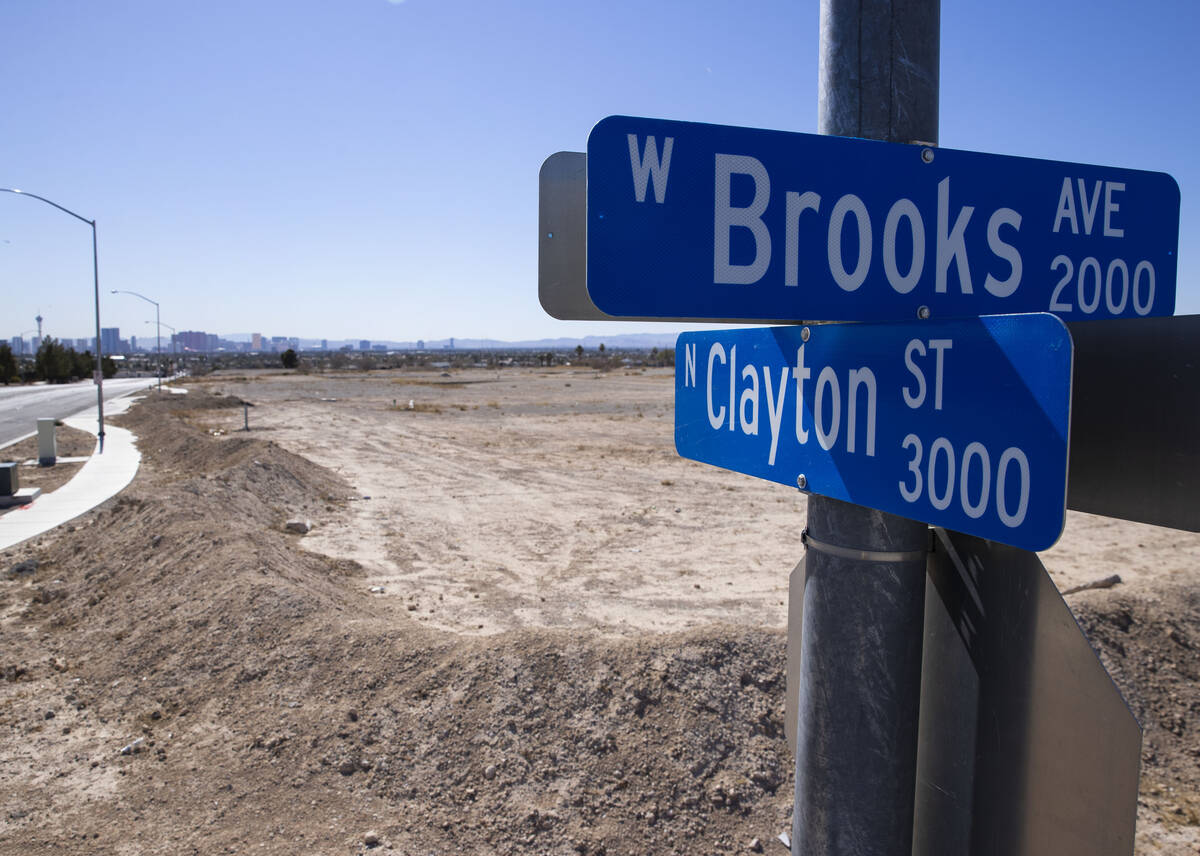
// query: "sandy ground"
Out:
[559,492]
[520,624]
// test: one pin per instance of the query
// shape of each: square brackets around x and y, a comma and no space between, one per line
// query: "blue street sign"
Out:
[713,222]
[962,424]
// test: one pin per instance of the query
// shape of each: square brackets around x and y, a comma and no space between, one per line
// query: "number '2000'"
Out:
[944,479]
[1116,287]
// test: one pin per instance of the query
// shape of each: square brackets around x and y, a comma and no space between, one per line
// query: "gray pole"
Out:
[878,76]
[864,593]
[157,329]
[99,355]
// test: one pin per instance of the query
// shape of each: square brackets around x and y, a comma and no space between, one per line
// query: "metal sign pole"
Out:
[864,594]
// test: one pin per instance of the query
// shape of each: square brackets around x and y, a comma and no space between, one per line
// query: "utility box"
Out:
[47,447]
[9,483]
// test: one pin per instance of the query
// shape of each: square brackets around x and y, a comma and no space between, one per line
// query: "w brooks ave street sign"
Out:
[961,424]
[687,220]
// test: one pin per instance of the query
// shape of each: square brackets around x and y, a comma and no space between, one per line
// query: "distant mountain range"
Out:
[631,341]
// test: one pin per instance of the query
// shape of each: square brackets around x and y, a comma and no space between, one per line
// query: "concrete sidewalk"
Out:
[102,477]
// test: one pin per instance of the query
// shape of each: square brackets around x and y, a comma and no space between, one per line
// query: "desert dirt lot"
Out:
[520,624]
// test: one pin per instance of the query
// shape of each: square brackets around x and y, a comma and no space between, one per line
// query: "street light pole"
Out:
[174,337]
[157,327]
[96,285]
[174,340]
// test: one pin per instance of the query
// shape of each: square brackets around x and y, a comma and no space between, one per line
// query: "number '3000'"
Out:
[971,481]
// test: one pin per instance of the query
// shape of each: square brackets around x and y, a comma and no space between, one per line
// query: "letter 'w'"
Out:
[648,166]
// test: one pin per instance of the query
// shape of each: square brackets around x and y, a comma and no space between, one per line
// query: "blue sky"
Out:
[366,168]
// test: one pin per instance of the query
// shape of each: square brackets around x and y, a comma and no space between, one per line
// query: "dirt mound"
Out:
[181,676]
[1149,641]
[545,743]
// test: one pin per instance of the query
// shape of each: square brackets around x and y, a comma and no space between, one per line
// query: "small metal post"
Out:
[10,479]
[864,594]
[47,444]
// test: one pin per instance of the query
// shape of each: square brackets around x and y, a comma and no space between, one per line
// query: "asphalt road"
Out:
[22,406]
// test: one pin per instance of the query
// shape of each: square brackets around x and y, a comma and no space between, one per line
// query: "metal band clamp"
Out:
[861,555]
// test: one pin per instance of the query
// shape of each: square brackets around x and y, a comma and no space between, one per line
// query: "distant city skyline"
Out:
[198,341]
[369,169]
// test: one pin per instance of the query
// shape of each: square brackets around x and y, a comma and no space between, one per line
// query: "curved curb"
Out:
[102,477]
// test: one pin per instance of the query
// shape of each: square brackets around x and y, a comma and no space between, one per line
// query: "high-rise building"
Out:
[364,344]
[110,340]
[256,341]
[82,345]
[18,345]
[194,340]
[133,346]
[420,344]
[324,344]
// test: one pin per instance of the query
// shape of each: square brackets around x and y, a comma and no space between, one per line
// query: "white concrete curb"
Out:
[102,477]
